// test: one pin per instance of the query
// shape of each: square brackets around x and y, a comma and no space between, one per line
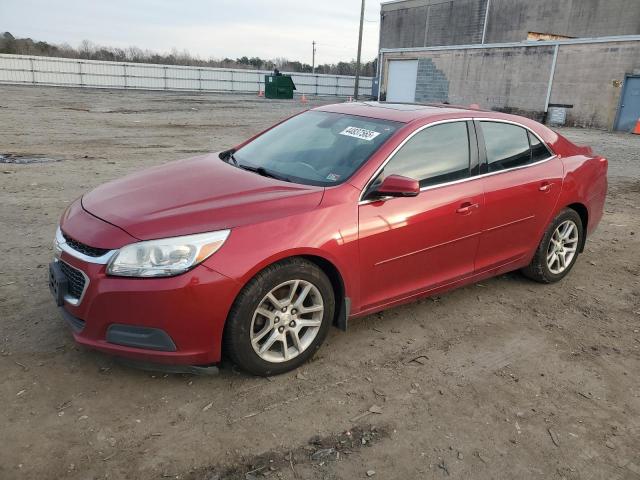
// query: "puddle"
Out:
[10,158]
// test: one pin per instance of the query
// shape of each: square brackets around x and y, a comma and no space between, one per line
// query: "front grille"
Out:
[84,249]
[75,278]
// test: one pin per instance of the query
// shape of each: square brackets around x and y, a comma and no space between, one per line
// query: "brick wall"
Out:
[515,79]
[432,84]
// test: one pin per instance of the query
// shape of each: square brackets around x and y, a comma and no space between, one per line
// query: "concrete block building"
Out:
[531,57]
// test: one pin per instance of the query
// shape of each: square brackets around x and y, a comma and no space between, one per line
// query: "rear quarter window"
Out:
[539,150]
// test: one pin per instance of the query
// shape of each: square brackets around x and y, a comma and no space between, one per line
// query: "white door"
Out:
[401,81]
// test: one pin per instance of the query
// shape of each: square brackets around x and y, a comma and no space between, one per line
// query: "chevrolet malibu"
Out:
[332,214]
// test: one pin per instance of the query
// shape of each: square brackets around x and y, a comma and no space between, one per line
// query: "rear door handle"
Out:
[545,187]
[466,208]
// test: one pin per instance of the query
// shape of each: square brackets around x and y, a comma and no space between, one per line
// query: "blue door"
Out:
[629,112]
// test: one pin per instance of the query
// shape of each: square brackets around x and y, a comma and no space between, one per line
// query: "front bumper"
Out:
[176,320]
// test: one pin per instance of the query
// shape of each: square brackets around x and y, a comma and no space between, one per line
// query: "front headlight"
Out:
[165,257]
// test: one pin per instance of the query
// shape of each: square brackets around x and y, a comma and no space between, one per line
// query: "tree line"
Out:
[89,51]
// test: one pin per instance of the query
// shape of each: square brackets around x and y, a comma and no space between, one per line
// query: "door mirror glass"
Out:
[397,186]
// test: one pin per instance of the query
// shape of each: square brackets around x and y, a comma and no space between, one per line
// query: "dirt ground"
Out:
[503,379]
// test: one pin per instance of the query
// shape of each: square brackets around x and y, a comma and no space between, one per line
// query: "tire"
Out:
[255,319]
[540,269]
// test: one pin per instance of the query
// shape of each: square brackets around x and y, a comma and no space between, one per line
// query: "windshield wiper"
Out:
[262,171]
[230,158]
[227,156]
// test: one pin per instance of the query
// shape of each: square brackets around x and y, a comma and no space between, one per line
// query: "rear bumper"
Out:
[598,194]
[595,207]
[177,320]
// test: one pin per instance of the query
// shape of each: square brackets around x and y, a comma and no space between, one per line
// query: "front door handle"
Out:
[545,187]
[466,208]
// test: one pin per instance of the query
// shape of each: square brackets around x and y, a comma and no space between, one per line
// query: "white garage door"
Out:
[401,82]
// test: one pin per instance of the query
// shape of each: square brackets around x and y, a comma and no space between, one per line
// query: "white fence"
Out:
[23,69]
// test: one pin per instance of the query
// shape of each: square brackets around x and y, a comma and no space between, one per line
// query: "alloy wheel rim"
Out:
[286,321]
[563,246]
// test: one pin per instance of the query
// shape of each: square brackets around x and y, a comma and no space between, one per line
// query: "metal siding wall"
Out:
[326,86]
[18,70]
[102,75]
[90,73]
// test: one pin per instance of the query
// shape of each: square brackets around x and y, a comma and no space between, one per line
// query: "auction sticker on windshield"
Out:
[361,133]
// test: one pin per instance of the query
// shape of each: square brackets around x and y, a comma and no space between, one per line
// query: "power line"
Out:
[332,46]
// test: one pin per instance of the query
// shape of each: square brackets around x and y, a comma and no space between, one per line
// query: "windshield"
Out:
[315,148]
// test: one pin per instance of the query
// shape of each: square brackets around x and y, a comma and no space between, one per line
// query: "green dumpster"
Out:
[278,86]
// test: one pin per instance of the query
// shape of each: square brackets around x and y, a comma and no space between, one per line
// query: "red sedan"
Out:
[334,213]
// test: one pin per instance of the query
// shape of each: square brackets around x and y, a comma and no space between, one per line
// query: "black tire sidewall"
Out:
[237,332]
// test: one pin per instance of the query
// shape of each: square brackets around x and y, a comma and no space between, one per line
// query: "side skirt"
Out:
[507,267]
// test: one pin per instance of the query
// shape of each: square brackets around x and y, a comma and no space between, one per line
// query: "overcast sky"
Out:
[207,28]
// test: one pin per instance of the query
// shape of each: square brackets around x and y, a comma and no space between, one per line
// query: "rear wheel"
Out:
[558,250]
[280,318]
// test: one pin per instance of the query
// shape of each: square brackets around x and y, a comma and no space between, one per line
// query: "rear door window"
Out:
[507,145]
[510,146]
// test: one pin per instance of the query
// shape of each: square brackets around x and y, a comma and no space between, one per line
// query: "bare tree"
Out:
[91,51]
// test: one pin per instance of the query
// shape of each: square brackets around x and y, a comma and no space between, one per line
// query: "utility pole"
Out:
[357,85]
[313,58]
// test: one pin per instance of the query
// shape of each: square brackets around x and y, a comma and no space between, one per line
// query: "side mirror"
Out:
[397,186]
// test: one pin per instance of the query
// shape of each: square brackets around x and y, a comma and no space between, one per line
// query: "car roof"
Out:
[397,112]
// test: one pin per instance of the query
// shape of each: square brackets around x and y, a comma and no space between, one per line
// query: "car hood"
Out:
[196,195]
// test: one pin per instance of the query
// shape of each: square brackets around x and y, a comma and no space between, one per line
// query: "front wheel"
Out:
[558,250]
[280,318]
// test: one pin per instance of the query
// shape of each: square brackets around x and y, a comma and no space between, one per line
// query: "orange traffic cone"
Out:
[260,92]
[636,129]
[303,99]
